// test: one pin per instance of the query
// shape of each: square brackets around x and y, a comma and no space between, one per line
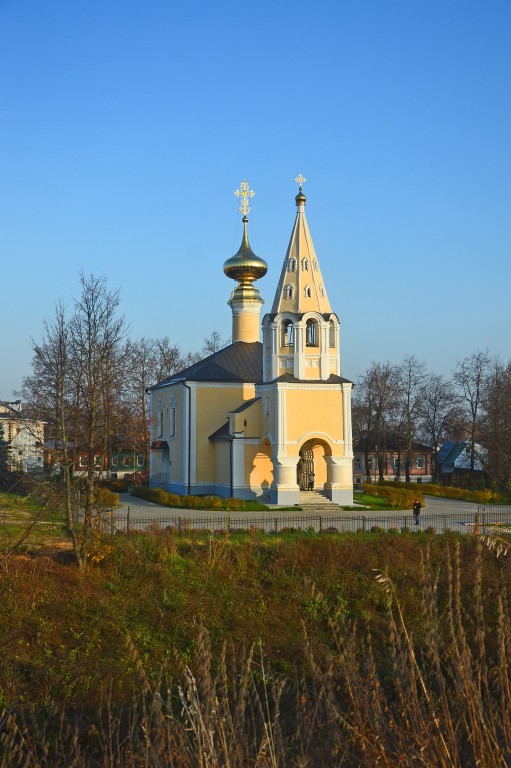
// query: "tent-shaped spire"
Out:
[301,288]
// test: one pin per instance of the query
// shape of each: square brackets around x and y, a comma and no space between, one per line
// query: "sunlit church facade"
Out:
[256,418]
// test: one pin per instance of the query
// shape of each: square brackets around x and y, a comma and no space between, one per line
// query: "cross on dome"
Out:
[244,192]
[300,179]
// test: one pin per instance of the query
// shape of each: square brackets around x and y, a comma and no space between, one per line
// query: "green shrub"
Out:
[168,499]
[401,497]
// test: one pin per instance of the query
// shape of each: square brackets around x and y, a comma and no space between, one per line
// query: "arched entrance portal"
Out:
[312,459]
[305,466]
[261,474]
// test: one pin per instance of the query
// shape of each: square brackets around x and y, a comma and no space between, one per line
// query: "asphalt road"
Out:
[141,508]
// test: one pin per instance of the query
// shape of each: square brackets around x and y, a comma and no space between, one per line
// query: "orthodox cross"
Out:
[301,180]
[244,192]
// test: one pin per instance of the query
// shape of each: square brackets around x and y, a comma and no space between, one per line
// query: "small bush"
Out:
[168,499]
[397,498]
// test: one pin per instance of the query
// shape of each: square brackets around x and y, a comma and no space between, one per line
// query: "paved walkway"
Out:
[140,508]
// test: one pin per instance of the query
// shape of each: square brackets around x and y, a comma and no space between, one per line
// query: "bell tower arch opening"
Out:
[312,469]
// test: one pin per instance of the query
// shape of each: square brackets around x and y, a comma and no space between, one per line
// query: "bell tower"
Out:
[306,404]
[301,335]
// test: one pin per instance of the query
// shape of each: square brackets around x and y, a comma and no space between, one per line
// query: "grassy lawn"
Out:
[20,514]
[370,502]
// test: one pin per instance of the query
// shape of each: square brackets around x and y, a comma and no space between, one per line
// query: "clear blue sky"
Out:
[125,128]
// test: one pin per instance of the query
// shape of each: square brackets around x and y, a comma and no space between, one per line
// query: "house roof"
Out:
[392,443]
[221,434]
[459,456]
[245,405]
[241,361]
[449,458]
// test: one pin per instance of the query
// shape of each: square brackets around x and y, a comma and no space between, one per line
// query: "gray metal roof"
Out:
[241,361]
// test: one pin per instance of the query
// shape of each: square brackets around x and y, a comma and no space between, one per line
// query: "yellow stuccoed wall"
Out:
[253,417]
[223,463]
[258,466]
[246,326]
[314,412]
[175,443]
[212,407]
[176,449]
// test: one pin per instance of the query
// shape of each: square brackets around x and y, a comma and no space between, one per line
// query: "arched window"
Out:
[289,291]
[331,333]
[172,416]
[308,292]
[292,265]
[305,265]
[160,417]
[315,264]
[322,291]
[311,333]
[287,334]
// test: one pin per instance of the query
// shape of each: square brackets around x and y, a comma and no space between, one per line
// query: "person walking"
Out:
[312,477]
[417,511]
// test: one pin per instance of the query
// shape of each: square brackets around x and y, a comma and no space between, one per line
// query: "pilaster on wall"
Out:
[299,353]
[284,488]
[346,420]
[339,484]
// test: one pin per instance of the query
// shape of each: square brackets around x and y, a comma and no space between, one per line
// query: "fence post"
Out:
[320,524]
[112,529]
[128,523]
[363,523]
[276,525]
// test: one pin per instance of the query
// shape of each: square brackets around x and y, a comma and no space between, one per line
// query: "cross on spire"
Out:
[300,180]
[244,192]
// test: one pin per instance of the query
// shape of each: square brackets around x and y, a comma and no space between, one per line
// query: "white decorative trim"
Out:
[308,435]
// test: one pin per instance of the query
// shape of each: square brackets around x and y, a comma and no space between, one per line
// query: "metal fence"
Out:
[486,520]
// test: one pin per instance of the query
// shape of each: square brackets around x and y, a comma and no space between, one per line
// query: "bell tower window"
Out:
[311,333]
[289,292]
[287,334]
[308,292]
[331,334]
[305,265]
[292,265]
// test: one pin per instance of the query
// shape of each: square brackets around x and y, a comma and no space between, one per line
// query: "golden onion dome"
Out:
[245,266]
[300,198]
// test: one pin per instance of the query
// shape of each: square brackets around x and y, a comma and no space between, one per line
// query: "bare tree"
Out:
[410,384]
[495,423]
[169,358]
[213,343]
[53,397]
[438,413]
[469,378]
[374,403]
[142,368]
[96,333]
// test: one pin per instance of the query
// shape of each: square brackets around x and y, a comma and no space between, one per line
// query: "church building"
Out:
[262,418]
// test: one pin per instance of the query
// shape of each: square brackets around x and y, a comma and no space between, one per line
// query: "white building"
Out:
[25,436]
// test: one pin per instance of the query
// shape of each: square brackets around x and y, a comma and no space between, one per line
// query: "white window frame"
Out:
[172,416]
[160,417]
